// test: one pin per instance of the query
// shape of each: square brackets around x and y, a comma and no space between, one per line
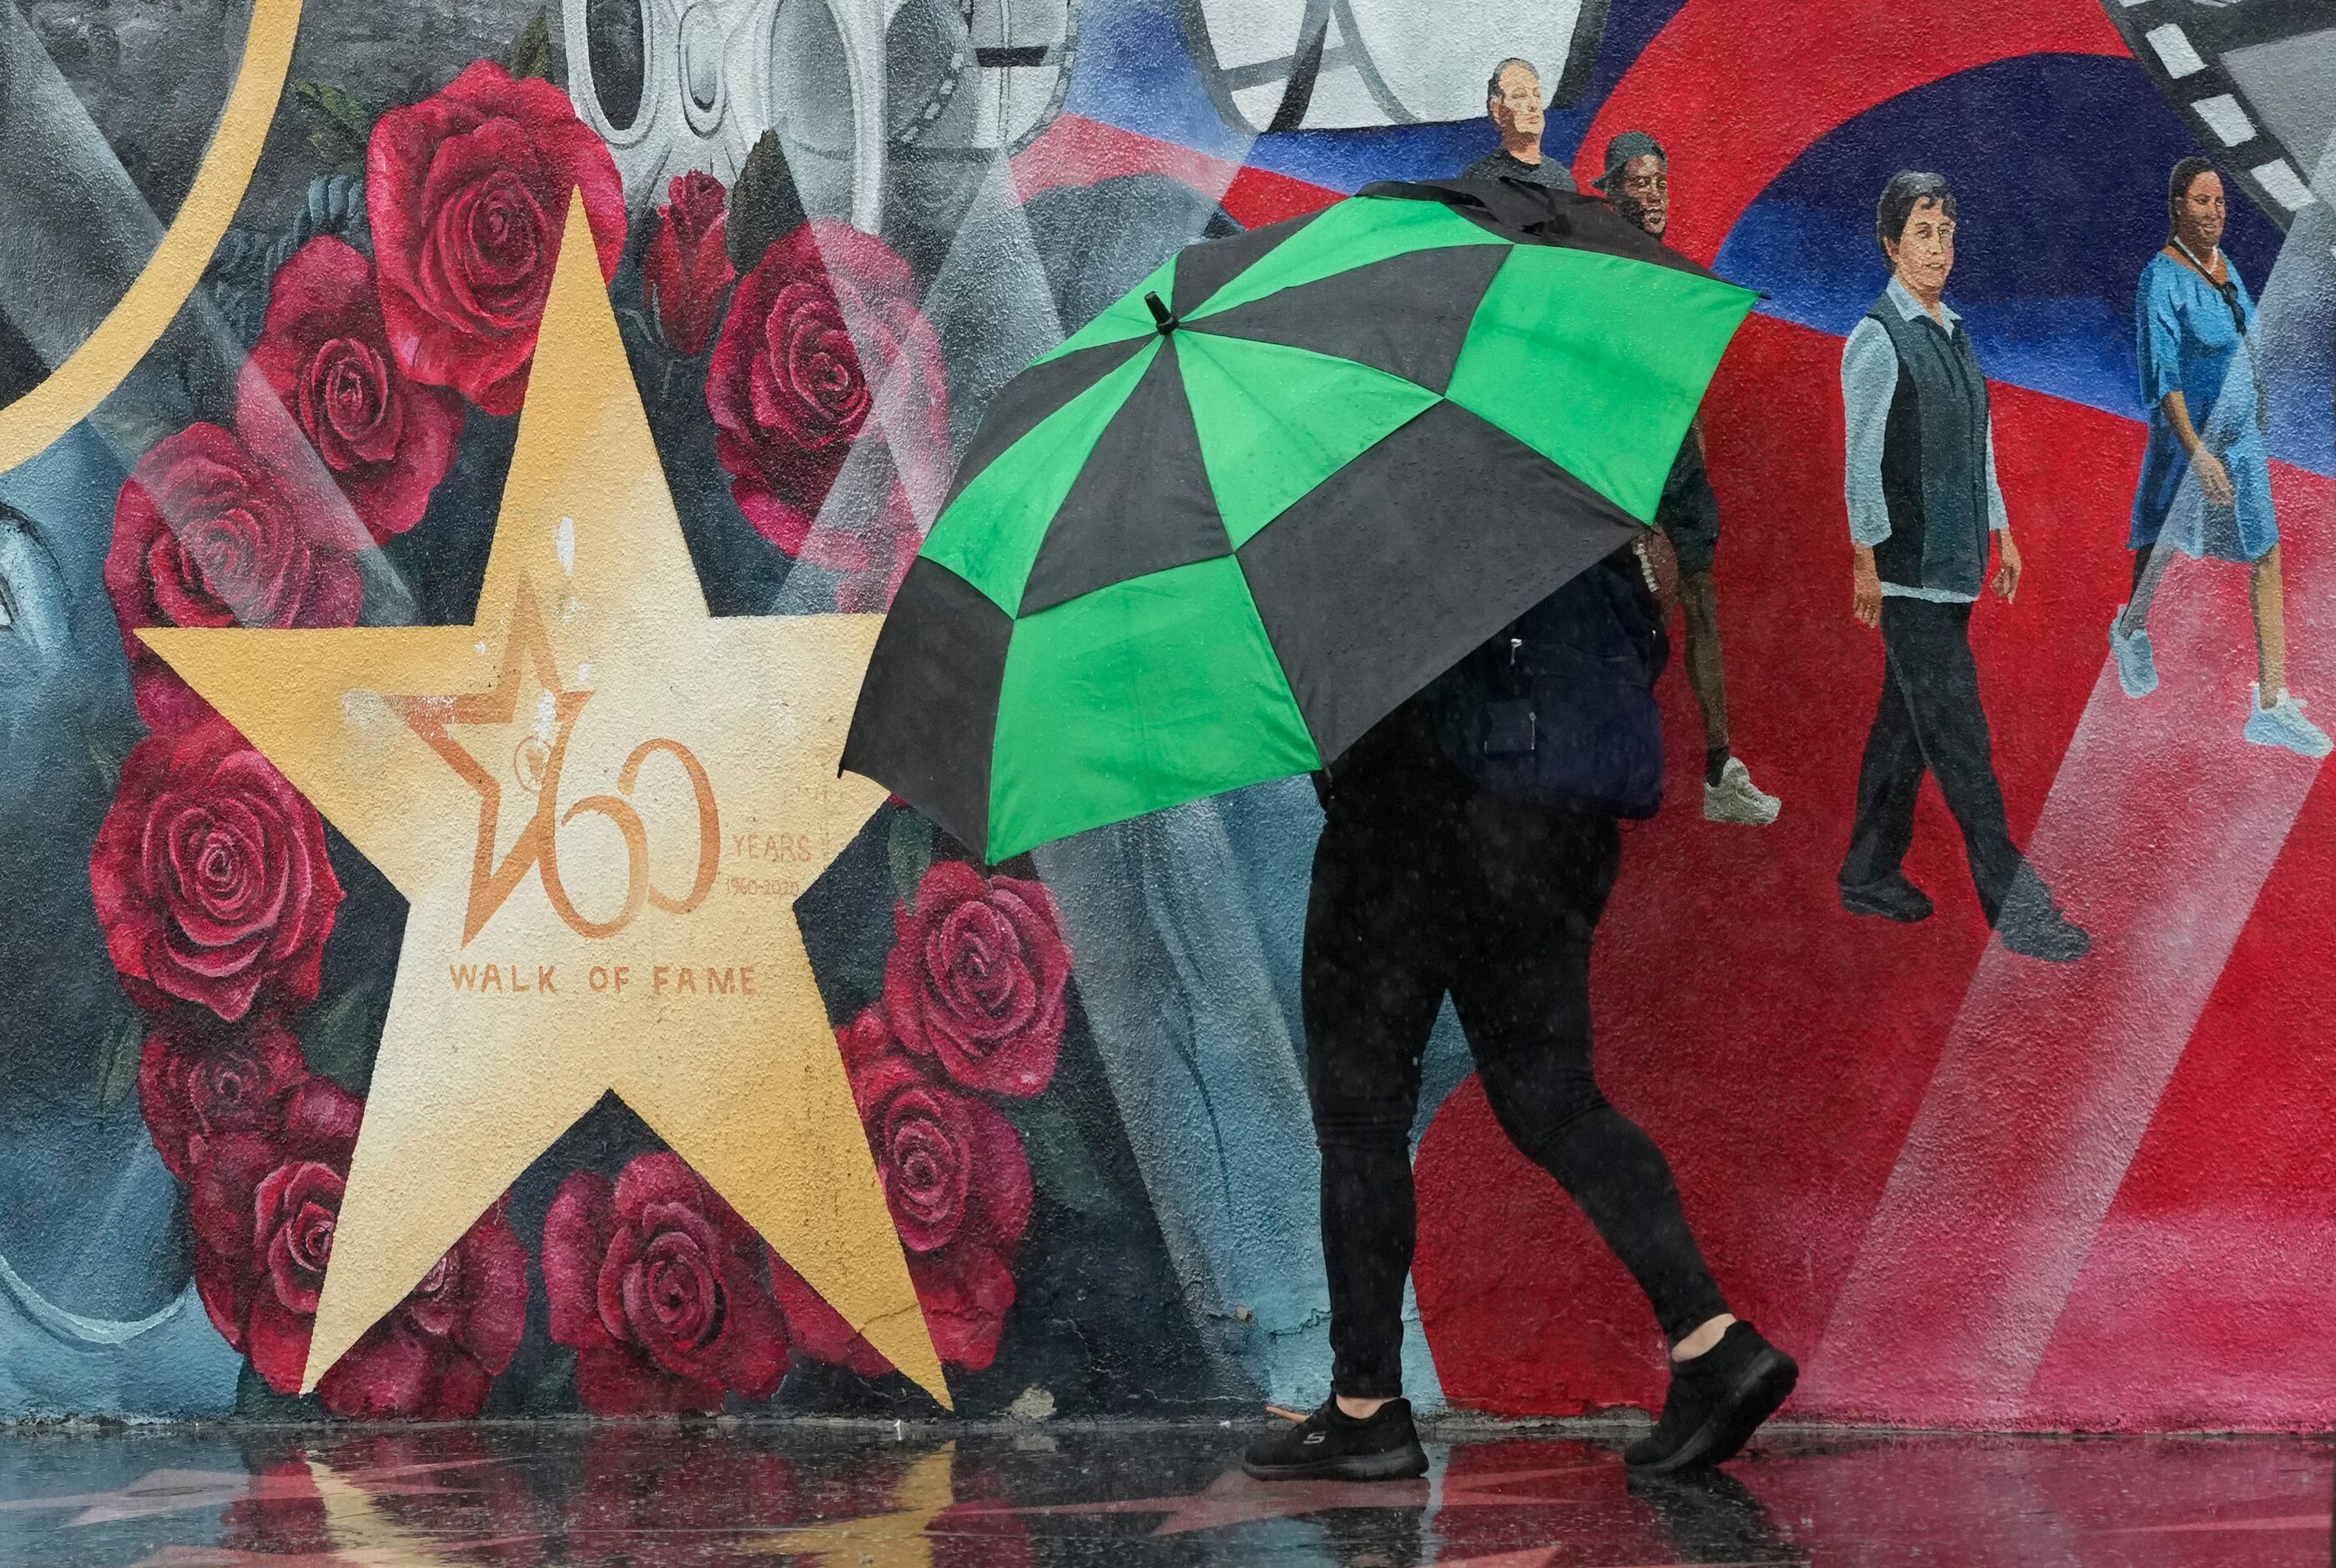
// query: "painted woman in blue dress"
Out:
[2205,481]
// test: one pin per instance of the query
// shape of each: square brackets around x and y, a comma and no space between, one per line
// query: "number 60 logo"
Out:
[538,844]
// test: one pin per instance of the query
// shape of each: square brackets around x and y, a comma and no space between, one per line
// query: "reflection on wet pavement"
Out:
[856,1497]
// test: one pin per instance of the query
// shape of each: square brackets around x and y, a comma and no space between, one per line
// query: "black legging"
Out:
[1422,886]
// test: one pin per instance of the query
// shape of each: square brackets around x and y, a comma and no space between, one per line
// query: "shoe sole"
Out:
[1742,820]
[1403,1464]
[2069,955]
[1765,1384]
[2276,743]
[1904,917]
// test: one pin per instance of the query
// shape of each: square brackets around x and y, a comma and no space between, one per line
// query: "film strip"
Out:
[1276,65]
[2256,80]
[987,51]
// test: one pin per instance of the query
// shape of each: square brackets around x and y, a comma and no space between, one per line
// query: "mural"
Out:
[452,461]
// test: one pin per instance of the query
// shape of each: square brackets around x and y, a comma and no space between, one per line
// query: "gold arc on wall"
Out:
[72,391]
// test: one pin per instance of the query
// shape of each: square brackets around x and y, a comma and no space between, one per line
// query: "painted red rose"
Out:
[791,392]
[255,1297]
[467,192]
[264,1212]
[659,1285]
[323,377]
[210,876]
[207,534]
[687,270]
[436,1356]
[197,1085]
[957,1184]
[977,979]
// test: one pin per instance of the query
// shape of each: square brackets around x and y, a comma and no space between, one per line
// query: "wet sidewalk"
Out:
[863,1496]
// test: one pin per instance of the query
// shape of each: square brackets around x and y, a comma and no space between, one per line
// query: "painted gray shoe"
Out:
[2137,660]
[2283,725]
[1737,799]
[2031,925]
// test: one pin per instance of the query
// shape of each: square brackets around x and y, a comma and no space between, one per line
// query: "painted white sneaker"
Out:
[1737,799]
[2137,660]
[2283,725]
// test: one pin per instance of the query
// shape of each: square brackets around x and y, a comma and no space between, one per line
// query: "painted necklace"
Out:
[2215,251]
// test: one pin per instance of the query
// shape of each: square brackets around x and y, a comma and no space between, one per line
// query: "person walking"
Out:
[1469,846]
[1923,506]
[1637,183]
[1513,99]
[2206,473]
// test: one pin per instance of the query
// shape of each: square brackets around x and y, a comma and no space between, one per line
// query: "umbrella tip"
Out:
[1160,314]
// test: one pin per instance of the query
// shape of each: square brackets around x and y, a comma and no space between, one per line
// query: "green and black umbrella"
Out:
[1245,513]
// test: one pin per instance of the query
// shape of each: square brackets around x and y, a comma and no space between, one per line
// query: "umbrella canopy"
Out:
[1295,474]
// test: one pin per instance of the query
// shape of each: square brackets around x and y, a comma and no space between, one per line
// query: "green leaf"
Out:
[342,1036]
[107,752]
[765,207]
[118,1057]
[1061,1166]
[256,1401]
[859,971]
[341,113]
[333,154]
[911,850]
[530,52]
[553,1392]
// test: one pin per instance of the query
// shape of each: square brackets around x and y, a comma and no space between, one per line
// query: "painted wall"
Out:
[1964,1187]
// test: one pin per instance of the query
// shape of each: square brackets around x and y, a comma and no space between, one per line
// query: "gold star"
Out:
[639,933]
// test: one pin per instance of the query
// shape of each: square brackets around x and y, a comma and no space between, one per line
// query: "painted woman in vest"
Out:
[2206,480]
[1923,508]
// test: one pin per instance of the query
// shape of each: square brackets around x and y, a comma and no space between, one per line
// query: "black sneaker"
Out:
[1332,1445]
[1892,897]
[1715,1403]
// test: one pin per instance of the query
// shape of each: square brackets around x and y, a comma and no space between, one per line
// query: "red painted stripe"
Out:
[1076,152]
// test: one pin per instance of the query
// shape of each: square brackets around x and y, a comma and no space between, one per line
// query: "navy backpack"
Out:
[1558,710]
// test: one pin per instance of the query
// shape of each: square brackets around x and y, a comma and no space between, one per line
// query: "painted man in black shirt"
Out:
[1513,97]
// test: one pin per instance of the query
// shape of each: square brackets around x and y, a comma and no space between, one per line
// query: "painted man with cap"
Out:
[1513,99]
[1637,181]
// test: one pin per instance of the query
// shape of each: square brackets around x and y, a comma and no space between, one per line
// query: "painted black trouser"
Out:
[1929,720]
[1423,886]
